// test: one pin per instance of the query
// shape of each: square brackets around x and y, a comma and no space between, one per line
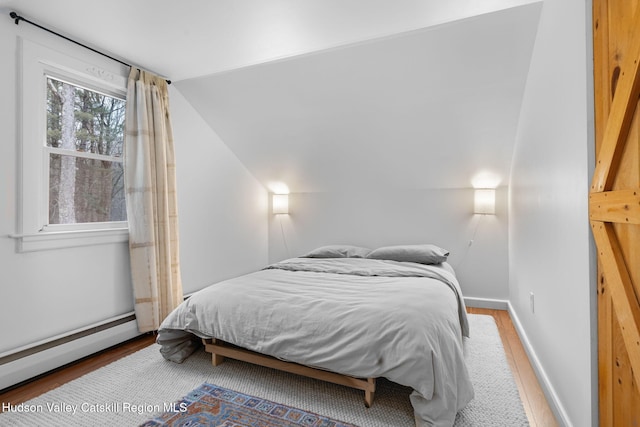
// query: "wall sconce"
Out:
[280,204]
[485,201]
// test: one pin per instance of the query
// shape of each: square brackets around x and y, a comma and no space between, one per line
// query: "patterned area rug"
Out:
[210,405]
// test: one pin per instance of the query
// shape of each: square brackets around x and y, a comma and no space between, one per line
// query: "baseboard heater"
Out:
[27,362]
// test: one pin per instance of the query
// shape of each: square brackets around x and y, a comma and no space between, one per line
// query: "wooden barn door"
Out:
[614,207]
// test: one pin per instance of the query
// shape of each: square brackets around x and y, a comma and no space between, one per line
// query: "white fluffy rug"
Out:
[129,391]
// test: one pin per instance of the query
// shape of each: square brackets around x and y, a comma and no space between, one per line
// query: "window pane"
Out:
[80,119]
[85,190]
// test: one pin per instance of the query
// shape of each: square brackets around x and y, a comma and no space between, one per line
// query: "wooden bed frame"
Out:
[220,349]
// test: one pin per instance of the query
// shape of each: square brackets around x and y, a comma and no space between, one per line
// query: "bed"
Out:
[357,317]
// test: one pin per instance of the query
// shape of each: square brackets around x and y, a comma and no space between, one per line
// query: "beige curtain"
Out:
[151,200]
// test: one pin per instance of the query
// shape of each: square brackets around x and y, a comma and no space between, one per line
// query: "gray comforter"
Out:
[360,317]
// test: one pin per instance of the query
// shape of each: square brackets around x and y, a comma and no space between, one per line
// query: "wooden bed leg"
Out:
[369,393]
[368,398]
[216,359]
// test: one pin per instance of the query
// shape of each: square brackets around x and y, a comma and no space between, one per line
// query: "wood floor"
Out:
[533,399]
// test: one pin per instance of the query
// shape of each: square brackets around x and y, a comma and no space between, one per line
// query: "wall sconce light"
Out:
[280,204]
[485,201]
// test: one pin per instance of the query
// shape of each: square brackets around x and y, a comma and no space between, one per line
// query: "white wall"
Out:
[549,237]
[222,208]
[223,224]
[376,218]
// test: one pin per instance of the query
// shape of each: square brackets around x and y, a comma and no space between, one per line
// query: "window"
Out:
[73,109]
[85,134]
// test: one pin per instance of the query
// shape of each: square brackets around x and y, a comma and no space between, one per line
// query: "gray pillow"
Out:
[423,254]
[338,251]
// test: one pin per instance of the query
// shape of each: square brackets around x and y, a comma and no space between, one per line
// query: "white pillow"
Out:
[423,254]
[338,251]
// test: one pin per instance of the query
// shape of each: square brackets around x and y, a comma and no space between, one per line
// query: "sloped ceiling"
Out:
[430,108]
[331,94]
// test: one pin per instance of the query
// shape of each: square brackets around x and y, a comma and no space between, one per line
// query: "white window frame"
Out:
[83,69]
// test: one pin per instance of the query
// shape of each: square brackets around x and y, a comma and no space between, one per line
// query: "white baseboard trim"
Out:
[25,368]
[494,304]
[552,397]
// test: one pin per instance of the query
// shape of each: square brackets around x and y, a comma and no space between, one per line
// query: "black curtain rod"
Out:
[17,18]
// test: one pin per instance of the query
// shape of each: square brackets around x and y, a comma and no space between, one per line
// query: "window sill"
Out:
[47,240]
